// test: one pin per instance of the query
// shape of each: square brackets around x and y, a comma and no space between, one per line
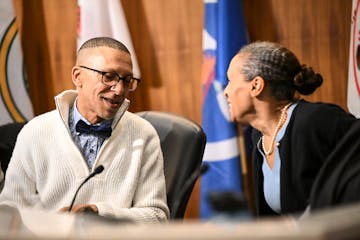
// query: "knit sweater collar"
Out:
[65,100]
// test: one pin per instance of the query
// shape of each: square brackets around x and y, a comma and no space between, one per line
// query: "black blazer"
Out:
[312,133]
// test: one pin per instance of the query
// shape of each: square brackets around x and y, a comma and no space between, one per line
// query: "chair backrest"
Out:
[183,143]
[8,135]
[338,181]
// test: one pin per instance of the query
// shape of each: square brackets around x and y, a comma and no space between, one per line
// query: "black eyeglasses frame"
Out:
[123,79]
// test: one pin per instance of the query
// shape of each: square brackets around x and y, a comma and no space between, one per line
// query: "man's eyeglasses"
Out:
[113,78]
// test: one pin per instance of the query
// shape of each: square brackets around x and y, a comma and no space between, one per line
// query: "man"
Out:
[57,150]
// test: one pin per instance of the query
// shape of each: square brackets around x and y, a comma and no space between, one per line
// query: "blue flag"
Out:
[223,34]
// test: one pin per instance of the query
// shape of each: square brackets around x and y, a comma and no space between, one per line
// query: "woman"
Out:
[292,137]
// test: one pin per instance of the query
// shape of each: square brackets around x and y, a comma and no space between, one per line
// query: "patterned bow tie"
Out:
[103,130]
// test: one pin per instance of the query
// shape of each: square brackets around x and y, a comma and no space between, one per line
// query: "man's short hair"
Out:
[104,42]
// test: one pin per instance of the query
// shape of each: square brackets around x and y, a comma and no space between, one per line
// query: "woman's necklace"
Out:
[278,126]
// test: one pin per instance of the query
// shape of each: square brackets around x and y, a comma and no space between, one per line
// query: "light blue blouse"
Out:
[272,183]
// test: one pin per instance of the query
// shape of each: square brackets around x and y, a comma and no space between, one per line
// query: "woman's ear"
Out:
[75,72]
[257,86]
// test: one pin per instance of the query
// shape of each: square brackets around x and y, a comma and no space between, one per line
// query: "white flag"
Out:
[15,104]
[353,100]
[99,18]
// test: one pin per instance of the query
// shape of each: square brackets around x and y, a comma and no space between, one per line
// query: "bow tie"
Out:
[103,130]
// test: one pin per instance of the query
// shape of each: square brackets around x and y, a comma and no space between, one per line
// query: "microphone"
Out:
[97,170]
[203,168]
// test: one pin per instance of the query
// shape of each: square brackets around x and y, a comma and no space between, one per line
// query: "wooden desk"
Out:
[339,223]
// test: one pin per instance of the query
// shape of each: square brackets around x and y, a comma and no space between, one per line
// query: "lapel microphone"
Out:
[97,170]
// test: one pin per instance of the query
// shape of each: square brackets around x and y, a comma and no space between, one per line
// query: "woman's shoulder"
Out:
[320,111]
[316,107]
[321,115]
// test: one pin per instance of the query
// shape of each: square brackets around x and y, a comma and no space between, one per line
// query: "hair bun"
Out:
[306,80]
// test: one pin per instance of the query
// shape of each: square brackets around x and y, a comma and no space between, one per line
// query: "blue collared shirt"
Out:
[88,144]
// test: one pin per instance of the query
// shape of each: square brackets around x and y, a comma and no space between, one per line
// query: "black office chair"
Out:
[8,135]
[183,143]
[338,181]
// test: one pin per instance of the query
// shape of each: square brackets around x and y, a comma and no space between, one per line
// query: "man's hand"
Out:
[81,208]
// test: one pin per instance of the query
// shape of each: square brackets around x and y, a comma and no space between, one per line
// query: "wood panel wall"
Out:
[317,31]
[167,39]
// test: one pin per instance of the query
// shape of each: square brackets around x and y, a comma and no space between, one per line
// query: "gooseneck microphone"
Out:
[97,170]
[192,178]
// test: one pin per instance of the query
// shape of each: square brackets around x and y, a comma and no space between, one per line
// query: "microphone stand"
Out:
[97,170]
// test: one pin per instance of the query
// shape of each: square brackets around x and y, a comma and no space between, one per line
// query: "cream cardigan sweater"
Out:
[47,167]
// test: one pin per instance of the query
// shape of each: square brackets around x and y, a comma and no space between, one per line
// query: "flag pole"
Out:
[245,172]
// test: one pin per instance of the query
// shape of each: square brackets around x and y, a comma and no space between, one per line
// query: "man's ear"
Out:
[257,86]
[75,73]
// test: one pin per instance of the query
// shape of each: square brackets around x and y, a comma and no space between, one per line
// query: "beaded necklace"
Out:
[278,126]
